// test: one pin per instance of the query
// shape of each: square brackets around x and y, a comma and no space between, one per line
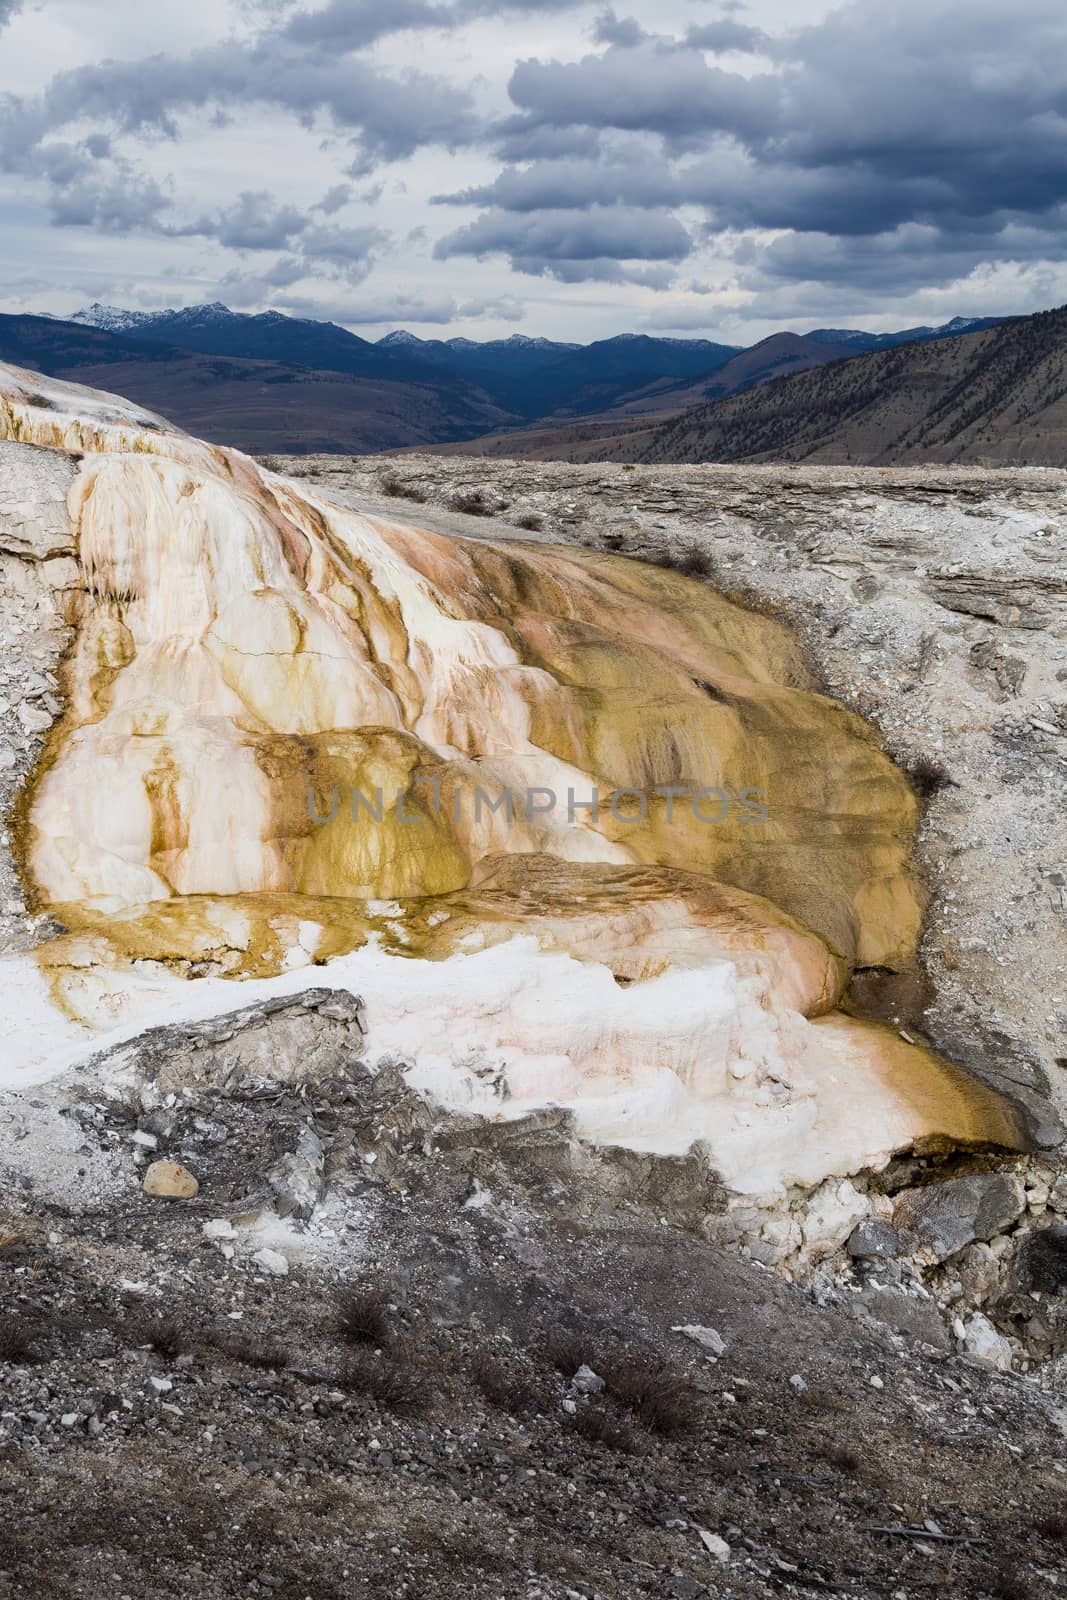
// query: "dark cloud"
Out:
[657,86]
[354,24]
[725,35]
[900,261]
[575,245]
[623,31]
[336,198]
[634,177]
[256,223]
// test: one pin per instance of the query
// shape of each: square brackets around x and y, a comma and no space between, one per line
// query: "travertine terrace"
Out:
[242,645]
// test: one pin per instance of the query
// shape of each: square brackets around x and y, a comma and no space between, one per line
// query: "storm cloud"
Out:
[462,150]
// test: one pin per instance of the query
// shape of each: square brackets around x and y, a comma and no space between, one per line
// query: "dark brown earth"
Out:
[248,1455]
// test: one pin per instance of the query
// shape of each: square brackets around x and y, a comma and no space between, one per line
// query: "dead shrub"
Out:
[363,1314]
[472,502]
[842,1459]
[598,1426]
[396,1383]
[1053,1527]
[166,1334]
[501,1385]
[929,776]
[662,1400]
[1008,1583]
[397,489]
[692,562]
[250,1349]
[567,1351]
[530,521]
[18,1340]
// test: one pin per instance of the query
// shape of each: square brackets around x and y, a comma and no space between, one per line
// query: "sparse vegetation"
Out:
[530,521]
[662,1400]
[399,489]
[472,503]
[929,776]
[363,1314]
[396,1383]
[18,1340]
[597,1425]
[501,1385]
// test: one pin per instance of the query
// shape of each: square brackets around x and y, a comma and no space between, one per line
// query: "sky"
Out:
[544,167]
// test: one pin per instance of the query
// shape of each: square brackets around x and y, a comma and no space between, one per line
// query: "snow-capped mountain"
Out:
[114,319]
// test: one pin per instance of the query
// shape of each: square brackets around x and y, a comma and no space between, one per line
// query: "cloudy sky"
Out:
[540,166]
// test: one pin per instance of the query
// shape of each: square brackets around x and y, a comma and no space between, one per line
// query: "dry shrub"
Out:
[168,1335]
[662,1400]
[250,1349]
[396,1383]
[598,1426]
[397,489]
[503,1387]
[471,502]
[567,1351]
[530,521]
[929,776]
[18,1339]
[363,1314]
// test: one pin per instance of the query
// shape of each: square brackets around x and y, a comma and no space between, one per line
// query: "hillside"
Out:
[254,404]
[271,383]
[997,396]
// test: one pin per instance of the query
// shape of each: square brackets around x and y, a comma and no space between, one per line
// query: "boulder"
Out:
[1043,1259]
[946,1217]
[909,1314]
[168,1180]
[875,1240]
[981,1341]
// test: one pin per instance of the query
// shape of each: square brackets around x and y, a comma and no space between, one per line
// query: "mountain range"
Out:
[268,382]
[995,396]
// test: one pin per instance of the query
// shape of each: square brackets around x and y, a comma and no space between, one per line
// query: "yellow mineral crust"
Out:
[280,715]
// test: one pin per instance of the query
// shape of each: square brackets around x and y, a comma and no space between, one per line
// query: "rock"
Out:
[715,1546]
[298,1178]
[979,1272]
[219,1228]
[706,1338]
[33,718]
[875,1240]
[167,1180]
[904,1313]
[272,1261]
[283,1039]
[586,1381]
[797,1382]
[946,1217]
[833,1213]
[1043,1259]
[982,1342]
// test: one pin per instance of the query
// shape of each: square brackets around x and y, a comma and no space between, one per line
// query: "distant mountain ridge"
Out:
[270,382]
[994,396]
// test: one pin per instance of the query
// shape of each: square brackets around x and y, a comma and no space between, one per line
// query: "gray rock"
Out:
[946,1217]
[298,1179]
[875,1239]
[294,1038]
[904,1313]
